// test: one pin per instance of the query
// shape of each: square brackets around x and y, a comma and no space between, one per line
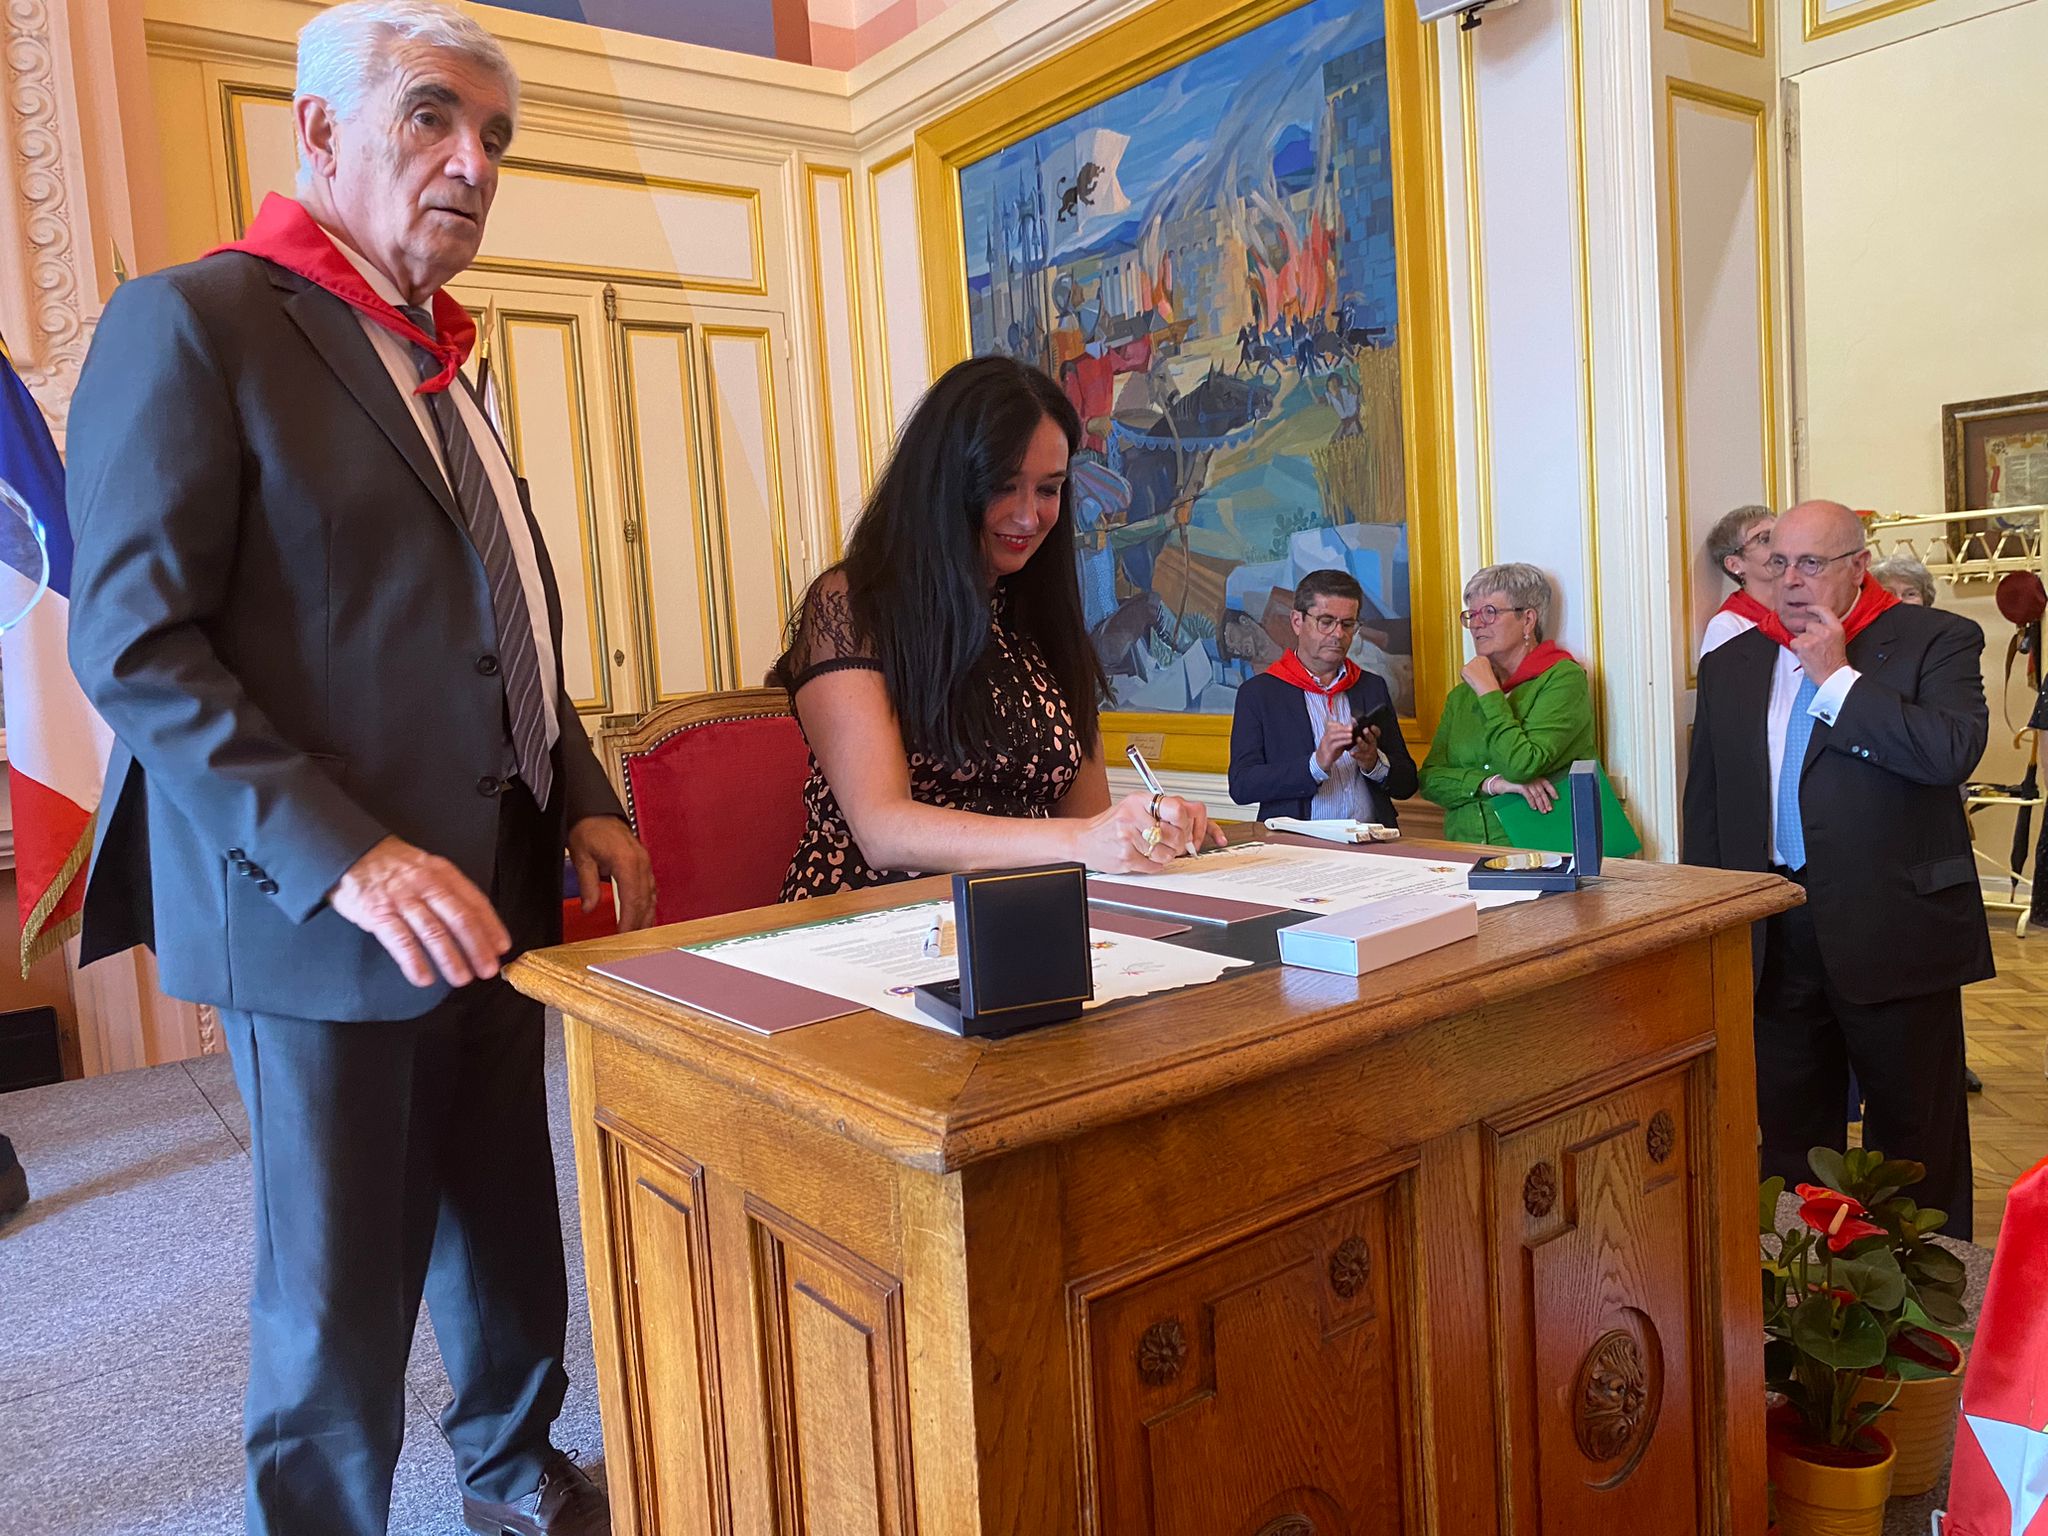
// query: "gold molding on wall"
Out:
[1707,29]
[771,447]
[1475,269]
[1757,113]
[1136,48]
[711,611]
[1818,24]
[242,204]
[815,176]
[1582,240]
[876,172]
[579,426]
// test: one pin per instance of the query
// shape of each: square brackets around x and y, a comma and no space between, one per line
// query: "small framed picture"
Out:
[1994,454]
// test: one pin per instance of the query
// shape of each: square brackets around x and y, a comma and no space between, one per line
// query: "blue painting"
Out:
[1206,263]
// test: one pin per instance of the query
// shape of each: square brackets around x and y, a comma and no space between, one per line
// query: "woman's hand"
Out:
[1480,674]
[1540,793]
[1116,841]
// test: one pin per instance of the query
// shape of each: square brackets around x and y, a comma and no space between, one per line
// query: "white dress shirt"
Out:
[1827,703]
[397,358]
[1341,794]
[1723,627]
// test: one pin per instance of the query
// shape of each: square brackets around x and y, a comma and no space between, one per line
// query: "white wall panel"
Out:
[674,542]
[1725,422]
[906,358]
[749,472]
[835,299]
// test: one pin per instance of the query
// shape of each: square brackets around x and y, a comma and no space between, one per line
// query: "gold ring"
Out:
[1157,796]
[1149,837]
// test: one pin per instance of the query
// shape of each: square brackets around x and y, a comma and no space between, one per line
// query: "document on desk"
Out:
[878,959]
[1315,879]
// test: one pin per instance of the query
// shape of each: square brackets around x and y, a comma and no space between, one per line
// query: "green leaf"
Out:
[1857,1346]
[1944,1310]
[1828,1167]
[1939,1265]
[1926,1219]
[1767,1203]
[1874,1278]
[1898,1172]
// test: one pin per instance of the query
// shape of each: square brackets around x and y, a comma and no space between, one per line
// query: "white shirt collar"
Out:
[380,285]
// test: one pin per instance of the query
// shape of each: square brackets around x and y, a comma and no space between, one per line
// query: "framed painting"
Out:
[1216,225]
[1994,453]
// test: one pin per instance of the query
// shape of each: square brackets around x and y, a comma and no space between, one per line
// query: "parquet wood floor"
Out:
[2005,1021]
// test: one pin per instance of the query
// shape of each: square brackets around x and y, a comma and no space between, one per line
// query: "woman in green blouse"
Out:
[1523,713]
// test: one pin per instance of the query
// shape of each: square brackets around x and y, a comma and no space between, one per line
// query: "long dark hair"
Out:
[916,577]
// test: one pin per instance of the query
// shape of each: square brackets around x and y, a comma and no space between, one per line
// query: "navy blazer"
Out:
[1271,742]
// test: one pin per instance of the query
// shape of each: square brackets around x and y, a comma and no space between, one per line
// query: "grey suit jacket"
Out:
[278,612]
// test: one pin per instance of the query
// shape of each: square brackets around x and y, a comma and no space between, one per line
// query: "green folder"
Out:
[1552,831]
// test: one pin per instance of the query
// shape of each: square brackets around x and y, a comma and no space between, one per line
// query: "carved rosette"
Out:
[1289,1525]
[1162,1352]
[1612,1403]
[1539,1191]
[1661,1137]
[35,131]
[1350,1267]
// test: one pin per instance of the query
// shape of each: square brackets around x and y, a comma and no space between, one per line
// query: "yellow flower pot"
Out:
[1822,1492]
[1921,1425]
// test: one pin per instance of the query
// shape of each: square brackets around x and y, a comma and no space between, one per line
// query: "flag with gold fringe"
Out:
[56,745]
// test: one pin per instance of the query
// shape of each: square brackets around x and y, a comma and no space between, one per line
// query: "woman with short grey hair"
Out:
[1739,547]
[1523,713]
[1907,578]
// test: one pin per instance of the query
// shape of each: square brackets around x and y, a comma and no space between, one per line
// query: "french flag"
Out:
[56,745]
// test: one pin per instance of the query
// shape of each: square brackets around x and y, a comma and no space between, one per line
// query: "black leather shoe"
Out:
[1972,1083]
[567,1503]
[13,1181]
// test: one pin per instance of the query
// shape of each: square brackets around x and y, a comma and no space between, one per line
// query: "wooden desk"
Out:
[1464,1246]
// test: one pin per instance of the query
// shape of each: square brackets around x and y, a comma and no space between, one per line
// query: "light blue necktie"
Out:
[1798,732]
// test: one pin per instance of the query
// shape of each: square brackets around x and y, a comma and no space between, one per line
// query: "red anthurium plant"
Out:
[1854,1288]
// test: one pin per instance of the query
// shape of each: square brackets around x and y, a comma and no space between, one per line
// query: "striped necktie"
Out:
[525,700]
[1798,732]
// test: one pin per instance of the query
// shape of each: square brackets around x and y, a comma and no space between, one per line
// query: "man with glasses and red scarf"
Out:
[1828,744]
[1315,736]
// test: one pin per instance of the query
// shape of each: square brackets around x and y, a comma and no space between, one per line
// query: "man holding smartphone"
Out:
[1315,736]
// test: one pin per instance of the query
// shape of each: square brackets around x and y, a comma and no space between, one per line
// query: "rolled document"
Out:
[1335,831]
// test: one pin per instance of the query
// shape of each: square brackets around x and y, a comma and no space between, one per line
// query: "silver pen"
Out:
[1145,773]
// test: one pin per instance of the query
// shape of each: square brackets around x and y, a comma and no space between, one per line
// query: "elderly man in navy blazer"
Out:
[1316,736]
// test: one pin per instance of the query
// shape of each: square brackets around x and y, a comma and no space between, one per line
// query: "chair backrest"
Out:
[714,784]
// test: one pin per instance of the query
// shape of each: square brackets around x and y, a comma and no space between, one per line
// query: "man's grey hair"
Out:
[1523,585]
[1909,569]
[1725,538]
[345,52]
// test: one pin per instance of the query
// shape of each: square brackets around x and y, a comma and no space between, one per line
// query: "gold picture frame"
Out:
[1149,42]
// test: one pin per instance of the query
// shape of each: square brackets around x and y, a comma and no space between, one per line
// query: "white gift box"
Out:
[1379,933]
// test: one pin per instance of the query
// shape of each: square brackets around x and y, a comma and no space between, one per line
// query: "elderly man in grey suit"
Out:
[315,609]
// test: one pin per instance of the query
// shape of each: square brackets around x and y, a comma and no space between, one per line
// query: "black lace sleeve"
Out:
[827,637]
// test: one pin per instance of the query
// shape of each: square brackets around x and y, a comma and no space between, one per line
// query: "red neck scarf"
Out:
[1539,661]
[1290,668]
[1743,606]
[1870,602]
[285,235]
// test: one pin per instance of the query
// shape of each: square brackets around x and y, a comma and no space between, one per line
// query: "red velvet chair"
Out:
[714,786]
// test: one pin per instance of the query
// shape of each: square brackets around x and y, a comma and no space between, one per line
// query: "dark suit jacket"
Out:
[1889,873]
[1270,744]
[277,611]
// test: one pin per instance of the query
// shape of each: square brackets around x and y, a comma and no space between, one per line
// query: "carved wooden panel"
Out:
[1598,1316]
[675,1452]
[838,1383]
[1211,1385]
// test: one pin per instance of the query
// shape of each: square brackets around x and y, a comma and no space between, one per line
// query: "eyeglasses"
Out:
[1808,566]
[1761,536]
[1330,624]
[1472,618]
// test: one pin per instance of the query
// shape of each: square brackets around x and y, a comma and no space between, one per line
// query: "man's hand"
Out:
[1822,647]
[1480,674]
[421,908]
[603,849]
[1337,738]
[1367,747]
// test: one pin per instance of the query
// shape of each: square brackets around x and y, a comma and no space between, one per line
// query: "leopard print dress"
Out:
[1032,763]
